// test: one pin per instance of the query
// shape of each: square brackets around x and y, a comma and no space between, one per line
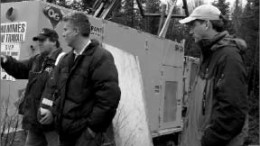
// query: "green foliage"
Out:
[237,13]
[249,31]
[246,26]
[223,6]
[8,1]
[130,13]
[253,133]
[127,14]
[87,4]
[10,133]
[83,5]
[152,23]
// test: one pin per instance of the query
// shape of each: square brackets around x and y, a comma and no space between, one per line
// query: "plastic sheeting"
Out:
[131,122]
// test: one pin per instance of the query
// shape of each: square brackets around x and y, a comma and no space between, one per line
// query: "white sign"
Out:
[13,32]
[10,49]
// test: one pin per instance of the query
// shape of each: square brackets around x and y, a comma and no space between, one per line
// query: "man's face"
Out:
[69,33]
[45,45]
[198,30]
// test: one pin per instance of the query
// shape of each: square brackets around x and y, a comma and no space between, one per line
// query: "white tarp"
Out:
[131,122]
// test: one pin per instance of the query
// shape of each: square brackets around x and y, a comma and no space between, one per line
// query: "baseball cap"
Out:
[203,12]
[47,33]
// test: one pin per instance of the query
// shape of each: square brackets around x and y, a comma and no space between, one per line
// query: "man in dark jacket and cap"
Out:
[37,70]
[218,105]
[85,85]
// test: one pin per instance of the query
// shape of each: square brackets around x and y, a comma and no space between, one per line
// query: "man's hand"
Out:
[3,58]
[46,116]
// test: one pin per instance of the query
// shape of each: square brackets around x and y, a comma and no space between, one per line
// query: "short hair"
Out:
[219,25]
[79,20]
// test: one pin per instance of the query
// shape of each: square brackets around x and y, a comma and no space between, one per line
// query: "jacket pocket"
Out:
[89,138]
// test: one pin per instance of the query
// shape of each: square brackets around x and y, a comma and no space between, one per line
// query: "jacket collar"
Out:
[222,39]
[206,45]
[83,49]
[89,48]
[54,54]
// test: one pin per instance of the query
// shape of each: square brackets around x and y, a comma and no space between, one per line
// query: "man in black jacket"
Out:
[218,107]
[37,70]
[85,85]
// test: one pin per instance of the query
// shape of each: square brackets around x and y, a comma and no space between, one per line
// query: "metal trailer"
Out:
[150,70]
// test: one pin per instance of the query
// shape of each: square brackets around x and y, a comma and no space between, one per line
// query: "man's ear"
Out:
[76,30]
[207,24]
[54,43]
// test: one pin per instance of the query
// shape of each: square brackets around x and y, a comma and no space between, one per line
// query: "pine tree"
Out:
[152,23]
[223,7]
[246,24]
[236,17]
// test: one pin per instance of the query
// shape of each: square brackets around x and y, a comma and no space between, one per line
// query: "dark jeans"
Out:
[37,138]
[86,138]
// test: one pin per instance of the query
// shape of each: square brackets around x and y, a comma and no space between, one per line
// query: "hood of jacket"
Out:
[222,39]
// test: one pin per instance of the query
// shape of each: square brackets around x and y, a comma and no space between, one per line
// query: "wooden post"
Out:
[163,8]
[167,21]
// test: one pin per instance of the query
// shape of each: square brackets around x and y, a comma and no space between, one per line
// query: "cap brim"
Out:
[187,20]
[40,37]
